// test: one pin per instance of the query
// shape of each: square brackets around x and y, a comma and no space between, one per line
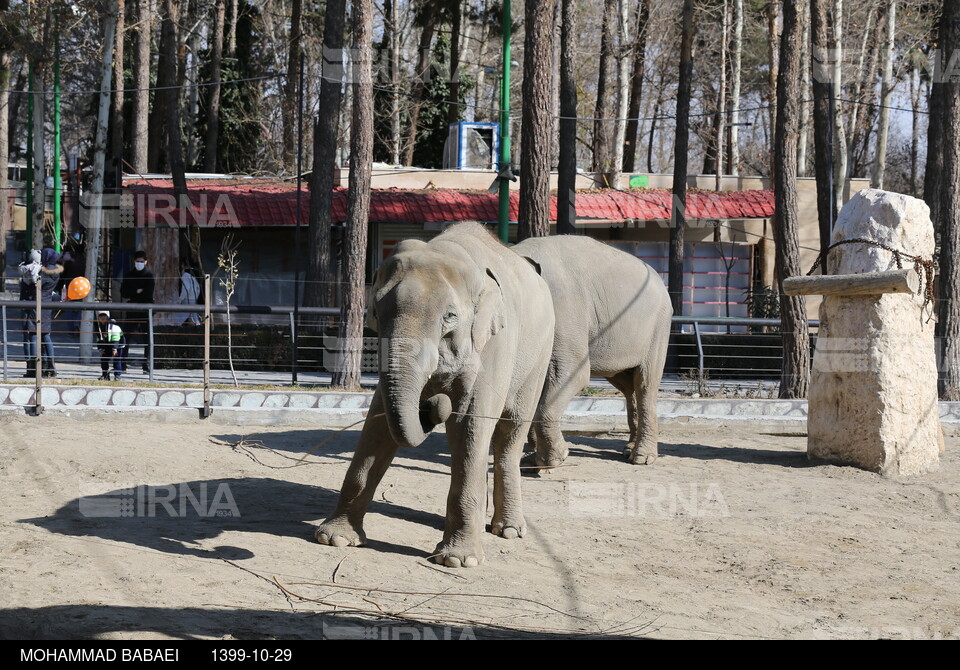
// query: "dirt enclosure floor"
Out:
[127,527]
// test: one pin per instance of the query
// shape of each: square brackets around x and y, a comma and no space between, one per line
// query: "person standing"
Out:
[111,344]
[190,294]
[137,287]
[46,278]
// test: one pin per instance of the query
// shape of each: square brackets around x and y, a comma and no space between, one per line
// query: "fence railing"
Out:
[737,348]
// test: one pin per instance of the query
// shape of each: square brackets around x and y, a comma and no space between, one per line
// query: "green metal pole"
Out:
[57,184]
[29,174]
[504,210]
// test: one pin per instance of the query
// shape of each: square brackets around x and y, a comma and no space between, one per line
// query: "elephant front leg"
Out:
[374,454]
[508,521]
[462,544]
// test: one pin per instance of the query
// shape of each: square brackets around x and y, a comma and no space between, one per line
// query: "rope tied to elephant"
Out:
[924,267]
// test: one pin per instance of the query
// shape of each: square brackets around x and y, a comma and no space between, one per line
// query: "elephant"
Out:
[613,317]
[467,326]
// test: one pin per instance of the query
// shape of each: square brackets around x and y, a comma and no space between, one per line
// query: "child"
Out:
[111,342]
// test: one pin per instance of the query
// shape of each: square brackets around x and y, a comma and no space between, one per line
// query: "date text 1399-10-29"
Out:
[234,654]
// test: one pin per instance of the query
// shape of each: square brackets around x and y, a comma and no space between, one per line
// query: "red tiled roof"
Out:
[255,202]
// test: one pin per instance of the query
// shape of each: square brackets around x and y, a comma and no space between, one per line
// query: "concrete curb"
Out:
[585,414]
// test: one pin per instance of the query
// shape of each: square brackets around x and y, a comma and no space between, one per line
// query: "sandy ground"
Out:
[731,533]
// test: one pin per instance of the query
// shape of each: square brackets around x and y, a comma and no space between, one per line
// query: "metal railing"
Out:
[694,352]
[744,357]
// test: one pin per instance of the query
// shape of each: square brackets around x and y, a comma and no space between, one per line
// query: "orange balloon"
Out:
[78,288]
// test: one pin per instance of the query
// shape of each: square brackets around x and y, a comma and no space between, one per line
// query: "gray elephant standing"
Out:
[613,320]
[468,327]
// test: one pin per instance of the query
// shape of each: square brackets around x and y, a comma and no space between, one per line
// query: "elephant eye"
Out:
[450,317]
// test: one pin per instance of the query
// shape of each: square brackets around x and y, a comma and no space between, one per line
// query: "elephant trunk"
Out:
[409,419]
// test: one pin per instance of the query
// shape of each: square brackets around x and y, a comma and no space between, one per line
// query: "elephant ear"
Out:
[489,316]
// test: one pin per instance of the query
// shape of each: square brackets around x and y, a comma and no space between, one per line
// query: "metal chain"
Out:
[924,267]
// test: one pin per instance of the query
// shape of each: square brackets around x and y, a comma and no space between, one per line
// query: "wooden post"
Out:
[38,352]
[866,283]
[207,290]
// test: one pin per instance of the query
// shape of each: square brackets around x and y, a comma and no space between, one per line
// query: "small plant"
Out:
[696,381]
[763,302]
[227,261]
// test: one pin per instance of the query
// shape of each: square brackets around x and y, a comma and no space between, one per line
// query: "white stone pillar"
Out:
[873,393]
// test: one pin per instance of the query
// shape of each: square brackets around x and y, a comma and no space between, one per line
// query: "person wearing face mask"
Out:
[137,287]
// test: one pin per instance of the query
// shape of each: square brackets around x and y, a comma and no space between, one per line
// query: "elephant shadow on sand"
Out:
[599,448]
[182,517]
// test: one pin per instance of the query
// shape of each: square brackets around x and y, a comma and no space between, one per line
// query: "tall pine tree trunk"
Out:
[678,209]
[624,51]
[419,86]
[721,129]
[116,109]
[534,214]
[734,162]
[290,89]
[822,123]
[453,109]
[773,46]
[795,371]
[636,87]
[95,224]
[602,111]
[233,17]
[140,135]
[212,140]
[804,107]
[886,97]
[948,210]
[5,48]
[392,25]
[347,374]
[840,153]
[192,73]
[320,287]
[916,98]
[165,254]
[567,169]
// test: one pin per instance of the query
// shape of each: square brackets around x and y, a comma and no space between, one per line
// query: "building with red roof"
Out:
[728,236]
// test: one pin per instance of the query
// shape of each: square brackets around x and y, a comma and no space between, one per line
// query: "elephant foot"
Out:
[509,528]
[640,454]
[340,533]
[457,555]
[534,460]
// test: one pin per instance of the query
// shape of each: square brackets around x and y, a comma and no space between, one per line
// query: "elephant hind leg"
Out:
[623,381]
[647,384]
[565,377]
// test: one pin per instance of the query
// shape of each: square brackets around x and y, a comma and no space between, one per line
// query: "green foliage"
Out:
[433,113]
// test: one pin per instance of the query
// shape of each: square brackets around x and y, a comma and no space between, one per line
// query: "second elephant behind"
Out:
[612,320]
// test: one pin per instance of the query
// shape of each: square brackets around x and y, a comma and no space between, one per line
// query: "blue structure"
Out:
[472,146]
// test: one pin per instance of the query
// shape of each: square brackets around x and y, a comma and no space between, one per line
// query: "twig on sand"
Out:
[443,572]
[246,446]
[334,579]
[395,615]
[438,594]
[257,575]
